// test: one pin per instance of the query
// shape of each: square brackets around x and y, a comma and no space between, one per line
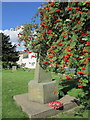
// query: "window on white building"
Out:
[25,56]
[33,63]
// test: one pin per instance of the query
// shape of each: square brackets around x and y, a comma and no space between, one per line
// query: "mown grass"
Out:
[72,115]
[0,94]
[14,83]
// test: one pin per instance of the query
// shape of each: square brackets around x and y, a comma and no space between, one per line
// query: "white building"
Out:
[28,60]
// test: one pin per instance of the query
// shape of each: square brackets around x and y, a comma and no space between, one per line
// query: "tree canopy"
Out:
[9,53]
[62,42]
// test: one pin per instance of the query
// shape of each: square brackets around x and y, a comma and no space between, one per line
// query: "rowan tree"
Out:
[62,42]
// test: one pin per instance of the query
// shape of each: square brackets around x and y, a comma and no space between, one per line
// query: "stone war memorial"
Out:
[40,93]
[58,36]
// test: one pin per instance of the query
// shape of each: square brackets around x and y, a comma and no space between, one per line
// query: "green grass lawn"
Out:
[71,115]
[0,94]
[16,83]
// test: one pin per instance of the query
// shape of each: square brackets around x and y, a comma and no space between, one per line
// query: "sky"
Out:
[16,14]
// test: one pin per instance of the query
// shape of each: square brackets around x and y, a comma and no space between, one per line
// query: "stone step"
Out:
[38,110]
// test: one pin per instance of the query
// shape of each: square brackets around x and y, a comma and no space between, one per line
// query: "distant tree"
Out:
[9,53]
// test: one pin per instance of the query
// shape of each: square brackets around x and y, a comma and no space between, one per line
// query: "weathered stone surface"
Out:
[38,110]
[67,99]
[0,66]
[41,75]
[42,92]
[67,102]
[41,88]
[14,69]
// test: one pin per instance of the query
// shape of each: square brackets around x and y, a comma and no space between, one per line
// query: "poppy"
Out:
[80,22]
[86,51]
[88,42]
[57,21]
[69,8]
[43,35]
[50,56]
[69,53]
[64,36]
[45,62]
[61,79]
[64,65]
[78,91]
[29,52]
[85,63]
[33,55]
[18,44]
[65,59]
[54,91]
[80,86]
[41,11]
[53,47]
[88,58]
[66,56]
[45,26]
[81,12]
[80,81]
[52,4]
[50,13]
[77,8]
[51,60]
[55,104]
[51,35]
[49,31]
[68,77]
[47,8]
[62,68]
[57,10]
[83,68]
[68,33]
[87,45]
[87,2]
[60,44]
[81,73]
[47,17]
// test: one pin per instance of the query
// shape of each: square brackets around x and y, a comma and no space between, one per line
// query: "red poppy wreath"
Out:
[55,104]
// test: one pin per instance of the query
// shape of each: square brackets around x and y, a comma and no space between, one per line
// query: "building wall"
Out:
[20,59]
[28,60]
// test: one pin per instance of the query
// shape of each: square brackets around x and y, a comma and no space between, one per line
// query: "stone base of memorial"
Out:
[40,93]
[39,110]
[41,88]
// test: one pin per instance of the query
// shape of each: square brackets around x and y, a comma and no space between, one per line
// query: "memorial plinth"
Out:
[41,88]
[40,93]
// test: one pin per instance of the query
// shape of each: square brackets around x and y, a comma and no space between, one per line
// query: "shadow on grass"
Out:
[67,86]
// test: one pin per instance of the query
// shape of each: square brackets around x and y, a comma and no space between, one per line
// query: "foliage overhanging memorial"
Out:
[62,41]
